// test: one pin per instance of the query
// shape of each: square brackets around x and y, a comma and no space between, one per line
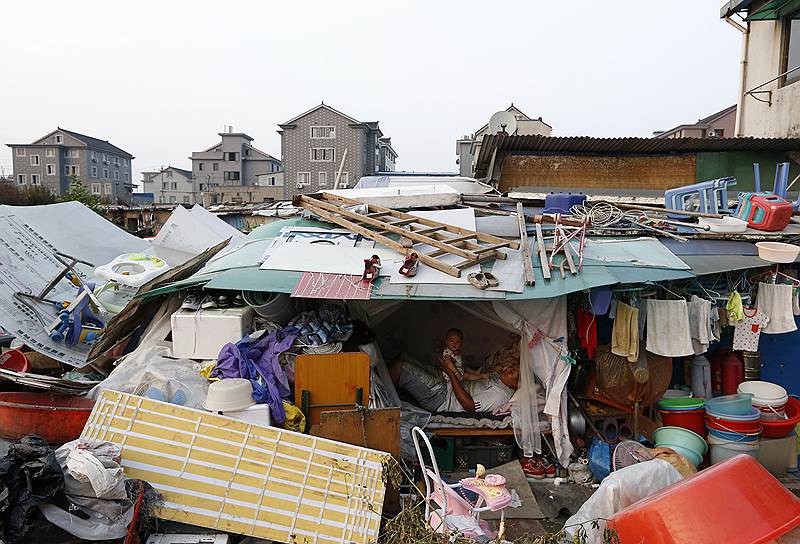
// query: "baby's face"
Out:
[454,343]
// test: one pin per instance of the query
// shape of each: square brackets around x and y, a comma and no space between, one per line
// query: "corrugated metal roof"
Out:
[585,145]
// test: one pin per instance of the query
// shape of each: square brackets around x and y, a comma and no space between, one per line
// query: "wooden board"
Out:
[228,475]
[331,379]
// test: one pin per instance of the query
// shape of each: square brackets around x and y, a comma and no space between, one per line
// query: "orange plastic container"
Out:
[736,501]
[56,418]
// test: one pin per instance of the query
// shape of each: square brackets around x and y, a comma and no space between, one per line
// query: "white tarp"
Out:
[188,233]
[29,237]
[404,196]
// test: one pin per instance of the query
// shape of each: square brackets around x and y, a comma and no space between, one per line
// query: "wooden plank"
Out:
[386,226]
[428,230]
[530,279]
[542,252]
[483,237]
[331,379]
[388,242]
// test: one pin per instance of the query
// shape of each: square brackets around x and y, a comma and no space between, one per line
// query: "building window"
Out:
[105,158]
[169,173]
[126,176]
[34,179]
[108,188]
[322,154]
[323,133]
[50,152]
[202,188]
[174,186]
[246,152]
[116,175]
[96,188]
[20,152]
[164,186]
[73,153]
[215,167]
[272,181]
[231,156]
[59,139]
[792,48]
[344,180]
[34,160]
[105,173]
[21,179]
[93,156]
[94,171]
[125,162]
[322,179]
[231,176]
[201,166]
[74,170]
[173,200]
[303,179]
[116,161]
[51,169]
[186,199]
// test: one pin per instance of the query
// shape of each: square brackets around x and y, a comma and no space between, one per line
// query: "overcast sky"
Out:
[160,79]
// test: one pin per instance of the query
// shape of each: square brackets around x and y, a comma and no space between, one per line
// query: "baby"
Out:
[453,339]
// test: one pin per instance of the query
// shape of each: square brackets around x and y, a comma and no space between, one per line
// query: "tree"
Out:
[26,196]
[78,192]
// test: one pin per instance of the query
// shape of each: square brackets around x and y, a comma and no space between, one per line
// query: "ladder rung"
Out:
[402,222]
[456,239]
[484,249]
[378,214]
[429,230]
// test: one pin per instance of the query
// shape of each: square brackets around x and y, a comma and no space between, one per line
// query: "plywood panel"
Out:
[331,379]
[225,474]
[603,172]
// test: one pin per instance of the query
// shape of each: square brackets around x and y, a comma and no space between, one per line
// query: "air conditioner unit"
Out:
[300,185]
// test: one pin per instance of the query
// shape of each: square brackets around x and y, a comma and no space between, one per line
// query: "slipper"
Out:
[493,282]
[410,264]
[625,432]
[478,279]
[372,267]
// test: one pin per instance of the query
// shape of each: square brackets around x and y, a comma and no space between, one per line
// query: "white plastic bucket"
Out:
[721,449]
[276,307]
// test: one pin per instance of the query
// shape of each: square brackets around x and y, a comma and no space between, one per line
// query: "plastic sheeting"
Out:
[618,491]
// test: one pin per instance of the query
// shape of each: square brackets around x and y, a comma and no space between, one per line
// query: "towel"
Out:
[668,328]
[625,334]
[700,326]
[775,301]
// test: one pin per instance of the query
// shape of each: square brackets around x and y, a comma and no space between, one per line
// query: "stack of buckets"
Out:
[734,426]
[684,412]
[779,413]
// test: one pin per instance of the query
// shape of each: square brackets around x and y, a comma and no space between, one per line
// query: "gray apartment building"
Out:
[171,185]
[320,143]
[52,161]
[232,162]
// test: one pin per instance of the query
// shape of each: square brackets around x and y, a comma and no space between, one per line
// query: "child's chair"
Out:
[452,513]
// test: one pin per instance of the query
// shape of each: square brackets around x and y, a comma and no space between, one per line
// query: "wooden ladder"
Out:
[379,222]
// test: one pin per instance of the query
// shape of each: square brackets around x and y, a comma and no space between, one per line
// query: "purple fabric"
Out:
[257,361]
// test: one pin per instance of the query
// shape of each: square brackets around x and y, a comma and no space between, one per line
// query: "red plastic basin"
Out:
[783,427]
[693,420]
[15,360]
[733,426]
[736,501]
[56,418]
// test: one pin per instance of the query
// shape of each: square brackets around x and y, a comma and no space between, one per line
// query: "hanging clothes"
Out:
[734,307]
[747,331]
[700,327]
[775,301]
[587,331]
[625,334]
[668,328]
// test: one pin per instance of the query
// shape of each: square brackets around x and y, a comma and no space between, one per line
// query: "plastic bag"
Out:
[599,459]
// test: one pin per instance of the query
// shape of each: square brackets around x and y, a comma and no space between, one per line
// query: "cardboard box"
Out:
[201,334]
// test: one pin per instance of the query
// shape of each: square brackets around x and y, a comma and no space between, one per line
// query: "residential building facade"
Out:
[468,147]
[171,185]
[54,159]
[232,162]
[323,143]
[769,78]
[718,125]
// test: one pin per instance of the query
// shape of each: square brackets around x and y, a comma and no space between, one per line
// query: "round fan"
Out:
[630,452]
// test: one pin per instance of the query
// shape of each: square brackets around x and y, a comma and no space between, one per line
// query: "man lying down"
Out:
[440,389]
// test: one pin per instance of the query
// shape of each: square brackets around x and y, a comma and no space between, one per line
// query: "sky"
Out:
[161,79]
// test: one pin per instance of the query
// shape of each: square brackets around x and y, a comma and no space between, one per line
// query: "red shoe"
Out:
[410,263]
[549,468]
[532,468]
[372,268]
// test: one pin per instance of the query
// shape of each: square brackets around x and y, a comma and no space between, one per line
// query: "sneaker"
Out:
[207,303]
[192,303]
[532,468]
[549,468]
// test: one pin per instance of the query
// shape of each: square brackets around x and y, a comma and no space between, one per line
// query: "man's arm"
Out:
[463,398]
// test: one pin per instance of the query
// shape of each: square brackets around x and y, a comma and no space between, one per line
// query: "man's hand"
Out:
[447,363]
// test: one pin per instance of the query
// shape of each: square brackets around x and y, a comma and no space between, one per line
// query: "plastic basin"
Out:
[777,252]
[754,415]
[676,393]
[694,420]
[783,427]
[738,404]
[733,437]
[681,403]
[732,426]
[15,360]
[736,501]
[693,457]
[56,418]
[684,438]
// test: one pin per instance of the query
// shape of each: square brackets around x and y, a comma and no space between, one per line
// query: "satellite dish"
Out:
[503,121]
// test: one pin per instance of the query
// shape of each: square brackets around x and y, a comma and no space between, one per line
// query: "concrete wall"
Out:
[781,119]
[592,172]
[243,195]
[296,143]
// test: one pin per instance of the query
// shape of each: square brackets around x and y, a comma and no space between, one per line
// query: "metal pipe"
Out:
[489,198]
[665,210]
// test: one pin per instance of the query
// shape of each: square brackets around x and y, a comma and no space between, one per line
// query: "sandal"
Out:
[372,267]
[492,281]
[410,264]
[478,279]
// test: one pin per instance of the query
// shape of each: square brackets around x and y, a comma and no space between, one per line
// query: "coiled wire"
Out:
[604,214]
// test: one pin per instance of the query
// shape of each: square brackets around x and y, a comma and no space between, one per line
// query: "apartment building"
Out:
[468,147]
[718,125]
[323,143]
[54,159]
[232,162]
[171,185]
